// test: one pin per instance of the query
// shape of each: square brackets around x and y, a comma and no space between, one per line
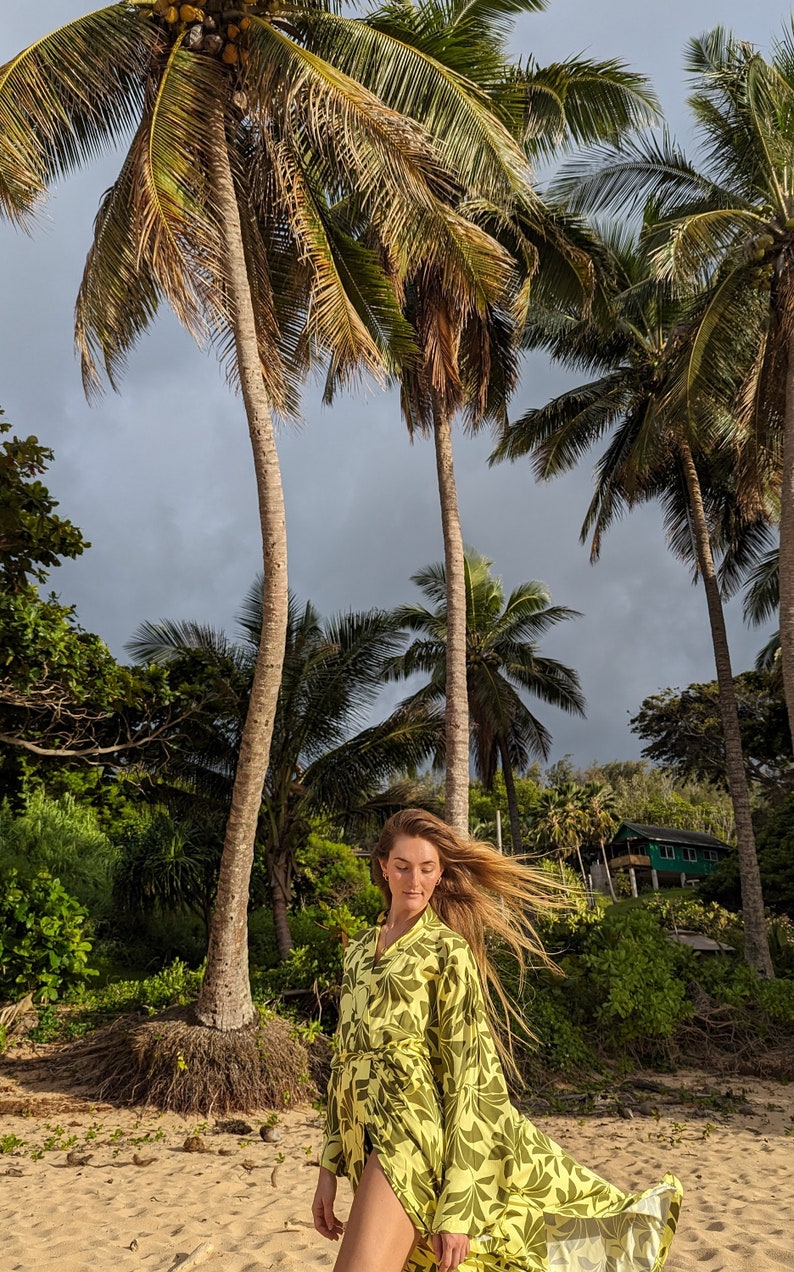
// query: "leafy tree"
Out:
[775,860]
[33,538]
[243,133]
[687,455]
[323,764]
[484,803]
[64,700]
[661,797]
[503,662]
[683,731]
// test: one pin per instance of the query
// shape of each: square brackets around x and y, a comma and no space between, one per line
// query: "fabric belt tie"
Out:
[409,1046]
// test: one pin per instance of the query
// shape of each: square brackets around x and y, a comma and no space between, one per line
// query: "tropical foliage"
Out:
[503,662]
[313,191]
[325,761]
[688,454]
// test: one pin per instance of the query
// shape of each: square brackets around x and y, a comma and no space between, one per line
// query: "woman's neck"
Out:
[399,920]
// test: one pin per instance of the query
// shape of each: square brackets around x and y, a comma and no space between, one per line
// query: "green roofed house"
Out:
[663,856]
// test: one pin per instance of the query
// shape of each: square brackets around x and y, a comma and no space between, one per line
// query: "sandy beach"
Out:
[91,1186]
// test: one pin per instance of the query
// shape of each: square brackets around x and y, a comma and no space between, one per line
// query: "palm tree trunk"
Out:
[280,891]
[756,944]
[512,798]
[225,1000]
[456,717]
[787,544]
[582,871]
[608,871]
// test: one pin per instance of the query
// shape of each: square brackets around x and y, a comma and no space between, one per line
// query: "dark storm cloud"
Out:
[159,477]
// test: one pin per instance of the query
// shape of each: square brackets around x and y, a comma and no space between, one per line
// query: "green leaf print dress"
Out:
[416,1076]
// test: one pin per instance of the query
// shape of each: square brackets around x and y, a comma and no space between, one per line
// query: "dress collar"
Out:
[426,919]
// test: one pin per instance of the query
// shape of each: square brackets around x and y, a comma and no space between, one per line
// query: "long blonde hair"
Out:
[482,895]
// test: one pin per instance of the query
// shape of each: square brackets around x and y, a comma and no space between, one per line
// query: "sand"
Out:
[140,1201]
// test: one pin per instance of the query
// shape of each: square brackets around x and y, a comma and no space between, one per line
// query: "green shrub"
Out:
[561,1045]
[331,874]
[314,966]
[43,946]
[780,930]
[696,914]
[736,984]
[63,838]
[144,944]
[633,979]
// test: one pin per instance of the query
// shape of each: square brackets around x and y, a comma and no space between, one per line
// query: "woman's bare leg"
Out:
[379,1236]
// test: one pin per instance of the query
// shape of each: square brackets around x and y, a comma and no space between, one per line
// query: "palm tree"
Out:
[245,141]
[698,471]
[730,221]
[497,117]
[168,864]
[599,806]
[323,761]
[502,662]
[560,824]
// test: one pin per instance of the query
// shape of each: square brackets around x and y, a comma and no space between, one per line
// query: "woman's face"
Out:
[412,871]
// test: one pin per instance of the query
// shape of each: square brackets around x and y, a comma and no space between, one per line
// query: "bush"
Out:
[634,979]
[314,966]
[144,944]
[43,949]
[331,874]
[63,838]
[561,1045]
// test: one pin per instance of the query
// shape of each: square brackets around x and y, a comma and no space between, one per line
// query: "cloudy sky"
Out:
[159,478]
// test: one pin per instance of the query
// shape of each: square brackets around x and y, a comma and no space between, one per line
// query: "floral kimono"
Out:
[416,1077]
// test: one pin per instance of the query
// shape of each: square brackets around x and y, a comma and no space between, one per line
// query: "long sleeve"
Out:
[478,1147]
[332,1157]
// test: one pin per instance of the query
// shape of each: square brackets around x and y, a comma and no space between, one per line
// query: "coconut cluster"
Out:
[213,29]
[764,251]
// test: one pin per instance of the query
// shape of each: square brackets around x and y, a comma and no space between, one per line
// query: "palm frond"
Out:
[558,435]
[65,96]
[163,643]
[581,101]
[625,176]
[762,597]
[119,294]
[389,58]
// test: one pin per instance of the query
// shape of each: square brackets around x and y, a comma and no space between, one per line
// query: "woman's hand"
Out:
[450,1249]
[325,1221]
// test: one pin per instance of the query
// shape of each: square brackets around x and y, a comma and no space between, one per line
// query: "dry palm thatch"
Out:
[172,1063]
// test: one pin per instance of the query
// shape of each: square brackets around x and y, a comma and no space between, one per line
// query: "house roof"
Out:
[697,941]
[669,835]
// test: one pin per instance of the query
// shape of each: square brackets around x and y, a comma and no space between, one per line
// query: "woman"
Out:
[446,1173]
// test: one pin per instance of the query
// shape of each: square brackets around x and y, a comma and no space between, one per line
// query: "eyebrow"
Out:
[428,861]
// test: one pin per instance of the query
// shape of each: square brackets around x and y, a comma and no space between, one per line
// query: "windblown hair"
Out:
[484,896]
